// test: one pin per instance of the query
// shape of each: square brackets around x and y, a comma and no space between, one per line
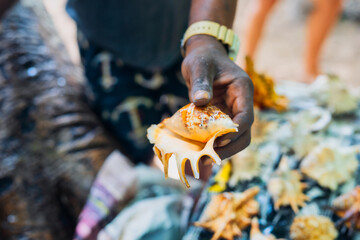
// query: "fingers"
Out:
[240,101]
[236,146]
[240,95]
[201,97]
[244,120]
[201,74]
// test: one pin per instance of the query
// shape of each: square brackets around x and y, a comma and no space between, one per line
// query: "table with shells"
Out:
[298,179]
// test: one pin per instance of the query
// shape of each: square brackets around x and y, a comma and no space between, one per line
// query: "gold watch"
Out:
[225,35]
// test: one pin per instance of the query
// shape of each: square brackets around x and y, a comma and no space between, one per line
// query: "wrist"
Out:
[203,41]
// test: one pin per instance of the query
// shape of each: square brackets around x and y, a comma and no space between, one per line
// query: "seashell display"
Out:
[347,206]
[256,234]
[246,165]
[188,135]
[333,94]
[313,227]
[286,188]
[330,165]
[228,214]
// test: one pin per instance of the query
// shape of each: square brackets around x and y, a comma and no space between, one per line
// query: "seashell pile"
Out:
[313,228]
[330,165]
[300,160]
[286,188]
[228,214]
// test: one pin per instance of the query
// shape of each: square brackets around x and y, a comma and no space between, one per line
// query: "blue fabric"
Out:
[143,33]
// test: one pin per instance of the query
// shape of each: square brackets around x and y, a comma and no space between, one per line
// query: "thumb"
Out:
[201,82]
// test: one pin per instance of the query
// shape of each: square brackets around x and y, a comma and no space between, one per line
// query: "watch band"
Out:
[225,35]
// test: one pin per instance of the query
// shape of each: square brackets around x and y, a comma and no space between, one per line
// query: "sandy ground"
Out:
[281,51]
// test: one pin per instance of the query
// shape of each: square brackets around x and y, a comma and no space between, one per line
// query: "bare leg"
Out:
[259,10]
[322,18]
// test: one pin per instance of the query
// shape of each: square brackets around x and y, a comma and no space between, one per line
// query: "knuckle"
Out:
[201,82]
[186,62]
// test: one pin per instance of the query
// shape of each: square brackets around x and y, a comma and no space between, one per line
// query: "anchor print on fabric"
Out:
[153,83]
[130,106]
[107,80]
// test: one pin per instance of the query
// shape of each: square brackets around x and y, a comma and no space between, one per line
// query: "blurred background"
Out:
[54,149]
[341,53]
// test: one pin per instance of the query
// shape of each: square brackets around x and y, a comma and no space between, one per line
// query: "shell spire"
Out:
[286,188]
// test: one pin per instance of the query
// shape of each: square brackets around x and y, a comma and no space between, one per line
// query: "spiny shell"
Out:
[286,188]
[228,214]
[313,228]
[183,137]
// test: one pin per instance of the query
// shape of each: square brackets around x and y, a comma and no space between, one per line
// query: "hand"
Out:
[212,77]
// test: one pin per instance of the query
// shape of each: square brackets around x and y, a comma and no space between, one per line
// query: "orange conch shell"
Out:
[198,123]
[286,188]
[347,206]
[229,213]
[188,135]
[330,165]
[313,228]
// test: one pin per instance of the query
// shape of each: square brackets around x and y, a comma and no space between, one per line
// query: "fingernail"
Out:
[222,143]
[201,95]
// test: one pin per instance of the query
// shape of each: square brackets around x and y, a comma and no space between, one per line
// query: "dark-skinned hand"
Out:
[213,78]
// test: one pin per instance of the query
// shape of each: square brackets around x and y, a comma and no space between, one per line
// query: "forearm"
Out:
[220,11]
[212,77]
[5,5]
